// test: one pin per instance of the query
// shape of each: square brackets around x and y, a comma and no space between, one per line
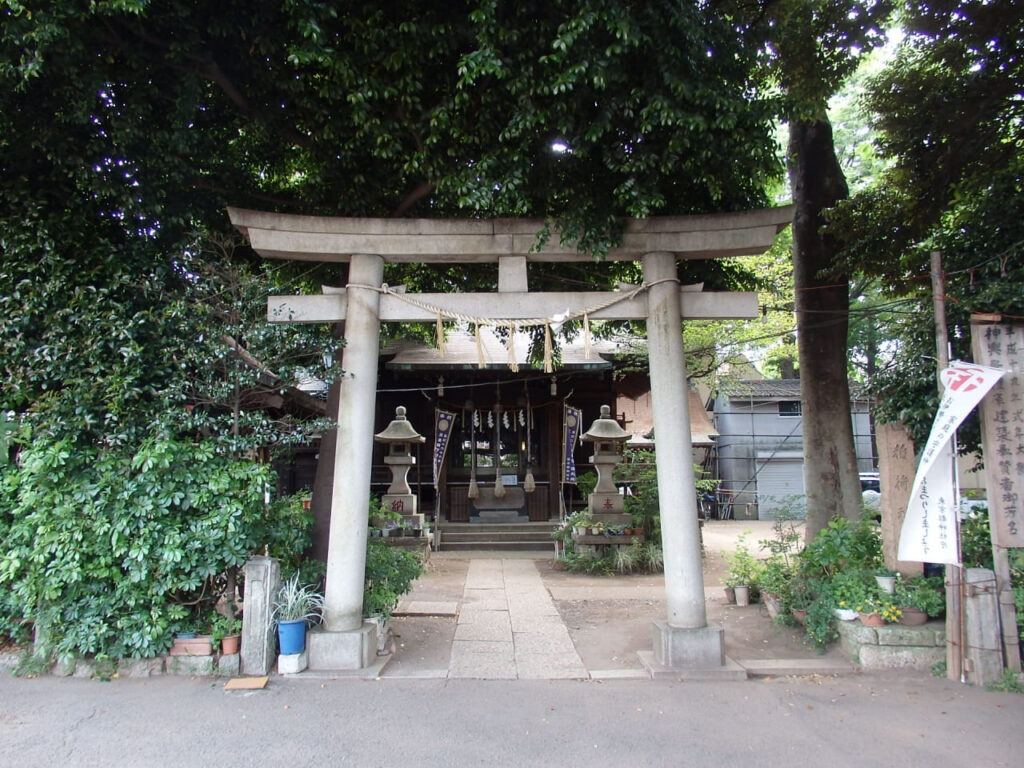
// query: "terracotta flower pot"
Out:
[912,617]
[201,645]
[799,615]
[229,644]
[871,619]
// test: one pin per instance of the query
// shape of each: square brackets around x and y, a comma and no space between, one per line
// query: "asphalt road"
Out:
[860,720]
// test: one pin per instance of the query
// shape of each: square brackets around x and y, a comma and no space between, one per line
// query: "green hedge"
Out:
[106,550]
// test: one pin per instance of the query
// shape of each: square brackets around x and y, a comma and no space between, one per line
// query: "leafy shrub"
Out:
[842,544]
[744,568]
[836,570]
[821,624]
[926,593]
[638,557]
[108,551]
[975,539]
[390,572]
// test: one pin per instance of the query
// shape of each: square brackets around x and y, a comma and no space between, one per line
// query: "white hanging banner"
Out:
[930,530]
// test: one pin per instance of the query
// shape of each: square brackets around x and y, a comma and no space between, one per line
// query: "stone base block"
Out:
[403,504]
[681,648]
[354,649]
[729,671]
[87,669]
[66,668]
[599,504]
[900,657]
[190,665]
[292,663]
[229,664]
[140,668]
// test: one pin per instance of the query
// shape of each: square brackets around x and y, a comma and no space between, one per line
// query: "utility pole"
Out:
[954,573]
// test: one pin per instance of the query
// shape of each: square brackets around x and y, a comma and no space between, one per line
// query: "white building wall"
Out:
[755,441]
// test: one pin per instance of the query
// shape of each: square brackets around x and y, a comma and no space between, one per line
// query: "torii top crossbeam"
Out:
[327,238]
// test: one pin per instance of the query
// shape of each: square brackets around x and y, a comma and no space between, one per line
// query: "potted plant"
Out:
[294,607]
[776,576]
[579,522]
[801,596]
[877,611]
[226,633]
[847,589]
[191,643]
[920,598]
[744,570]
[729,586]
[886,580]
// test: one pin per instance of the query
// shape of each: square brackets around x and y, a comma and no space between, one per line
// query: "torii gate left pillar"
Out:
[683,641]
[349,642]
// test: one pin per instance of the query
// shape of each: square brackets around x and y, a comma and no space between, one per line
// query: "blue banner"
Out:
[571,431]
[443,422]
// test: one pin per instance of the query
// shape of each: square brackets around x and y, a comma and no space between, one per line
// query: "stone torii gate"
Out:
[683,639]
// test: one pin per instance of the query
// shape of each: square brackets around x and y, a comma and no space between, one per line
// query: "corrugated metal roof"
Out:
[787,389]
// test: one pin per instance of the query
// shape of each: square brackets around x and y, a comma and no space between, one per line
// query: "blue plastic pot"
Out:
[291,636]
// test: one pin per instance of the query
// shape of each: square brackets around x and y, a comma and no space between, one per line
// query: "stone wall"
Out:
[894,646]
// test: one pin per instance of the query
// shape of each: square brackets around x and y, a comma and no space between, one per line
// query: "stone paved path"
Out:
[508,627]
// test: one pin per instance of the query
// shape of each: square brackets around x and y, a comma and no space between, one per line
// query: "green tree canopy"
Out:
[947,112]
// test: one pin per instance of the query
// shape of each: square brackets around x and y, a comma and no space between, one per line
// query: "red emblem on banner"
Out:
[963,378]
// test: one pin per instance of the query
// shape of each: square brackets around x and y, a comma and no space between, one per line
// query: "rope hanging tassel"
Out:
[548,365]
[499,488]
[474,489]
[440,336]
[445,314]
[513,364]
[479,348]
[529,485]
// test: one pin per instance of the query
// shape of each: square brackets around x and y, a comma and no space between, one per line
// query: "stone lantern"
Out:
[606,504]
[399,497]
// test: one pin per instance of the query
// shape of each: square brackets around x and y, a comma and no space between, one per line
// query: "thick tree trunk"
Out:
[323,482]
[822,316]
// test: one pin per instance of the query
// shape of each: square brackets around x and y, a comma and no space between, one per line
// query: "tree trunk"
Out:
[822,316]
[323,482]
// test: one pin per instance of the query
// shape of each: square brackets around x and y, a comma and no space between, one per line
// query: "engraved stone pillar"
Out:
[259,643]
[896,470]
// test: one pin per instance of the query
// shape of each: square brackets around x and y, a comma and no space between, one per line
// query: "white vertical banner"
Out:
[930,530]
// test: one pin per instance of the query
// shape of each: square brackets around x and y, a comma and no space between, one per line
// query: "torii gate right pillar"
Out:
[684,640]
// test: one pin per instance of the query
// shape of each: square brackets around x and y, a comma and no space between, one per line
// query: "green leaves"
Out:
[110,544]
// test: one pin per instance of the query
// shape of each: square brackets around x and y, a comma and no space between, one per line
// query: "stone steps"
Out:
[497,537]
